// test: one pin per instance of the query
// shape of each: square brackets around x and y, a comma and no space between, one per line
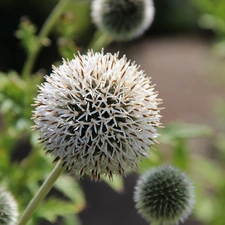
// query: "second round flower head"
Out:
[123,19]
[98,114]
[164,196]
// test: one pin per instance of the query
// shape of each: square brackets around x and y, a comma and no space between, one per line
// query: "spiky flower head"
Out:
[164,195]
[98,114]
[8,208]
[123,19]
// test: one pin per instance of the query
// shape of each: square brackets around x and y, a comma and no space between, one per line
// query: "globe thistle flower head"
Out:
[164,196]
[98,114]
[123,19]
[8,208]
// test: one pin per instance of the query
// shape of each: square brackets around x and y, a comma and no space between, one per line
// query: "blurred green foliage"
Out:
[170,19]
[23,170]
[212,17]
[23,175]
[211,199]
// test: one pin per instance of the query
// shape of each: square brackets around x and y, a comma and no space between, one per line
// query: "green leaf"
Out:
[208,170]
[154,159]
[26,33]
[117,183]
[4,157]
[72,219]
[12,87]
[67,48]
[220,145]
[175,131]
[72,190]
[205,203]
[181,157]
[51,208]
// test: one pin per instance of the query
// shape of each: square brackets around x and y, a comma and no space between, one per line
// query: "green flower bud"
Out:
[164,196]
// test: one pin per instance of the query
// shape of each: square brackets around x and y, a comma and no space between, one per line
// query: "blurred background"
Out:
[184,53]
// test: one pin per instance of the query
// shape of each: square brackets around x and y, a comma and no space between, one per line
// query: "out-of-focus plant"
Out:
[210,202]
[175,16]
[205,172]
[164,195]
[216,192]
[212,17]
[22,170]
[75,29]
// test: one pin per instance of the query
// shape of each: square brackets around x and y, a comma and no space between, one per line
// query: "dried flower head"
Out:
[98,114]
[8,208]
[123,19]
[164,195]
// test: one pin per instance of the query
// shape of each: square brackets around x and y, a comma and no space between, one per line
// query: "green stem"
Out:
[42,192]
[99,41]
[44,32]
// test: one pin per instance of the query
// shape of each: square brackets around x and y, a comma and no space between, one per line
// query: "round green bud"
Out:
[164,195]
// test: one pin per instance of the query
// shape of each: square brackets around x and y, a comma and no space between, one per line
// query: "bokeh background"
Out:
[184,53]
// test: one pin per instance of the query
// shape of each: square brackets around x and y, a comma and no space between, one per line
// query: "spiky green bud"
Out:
[164,195]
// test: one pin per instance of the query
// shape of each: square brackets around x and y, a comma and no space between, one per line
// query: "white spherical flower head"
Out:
[123,19]
[164,195]
[8,208]
[98,114]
